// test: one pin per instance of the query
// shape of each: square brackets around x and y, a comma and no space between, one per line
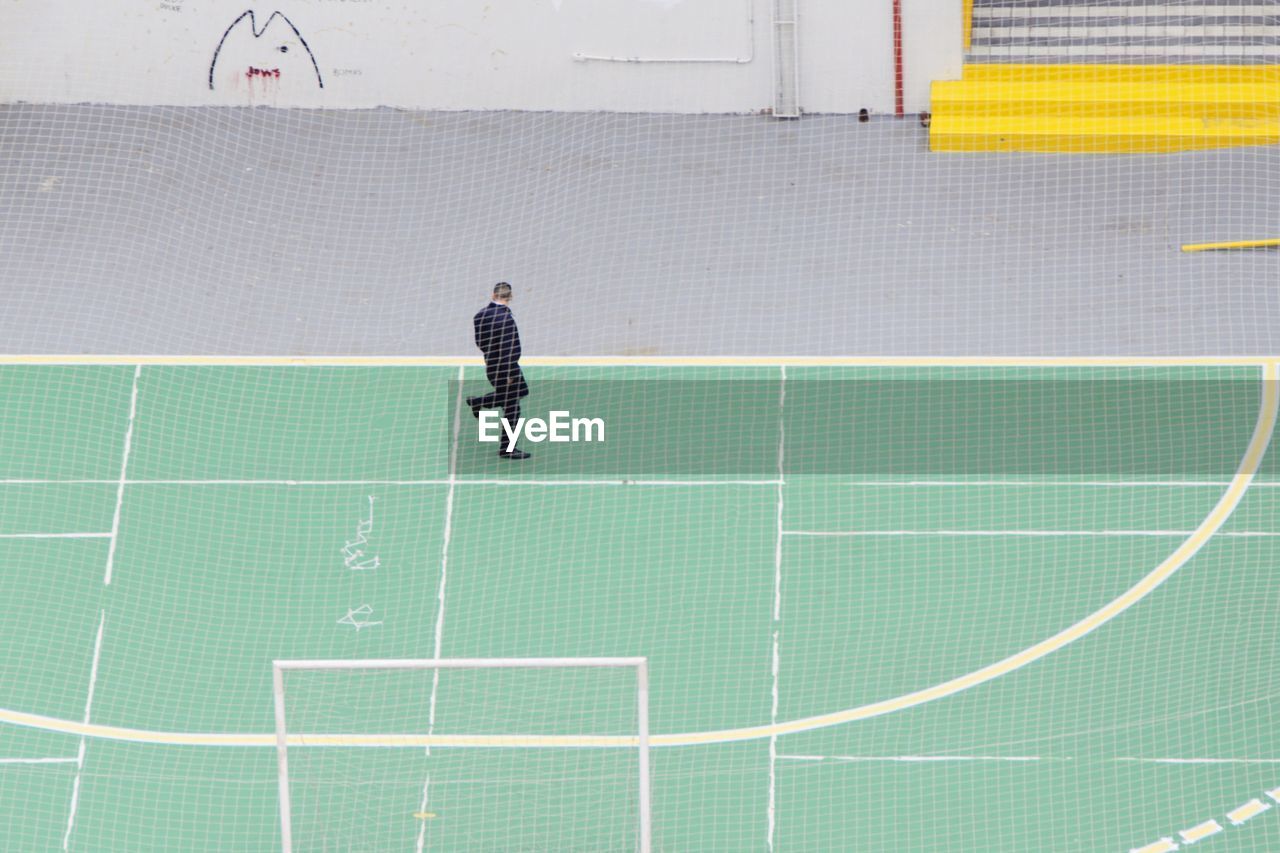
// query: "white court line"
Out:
[1114,484]
[88,705]
[1173,533]
[124,468]
[102,619]
[916,758]
[826,481]
[444,576]
[687,361]
[469,482]
[910,758]
[72,760]
[1202,760]
[55,535]
[777,607]
[362,483]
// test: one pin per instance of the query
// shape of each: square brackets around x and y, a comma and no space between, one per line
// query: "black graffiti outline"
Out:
[257,33]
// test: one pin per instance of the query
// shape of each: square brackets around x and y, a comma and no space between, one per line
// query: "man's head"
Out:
[502,292]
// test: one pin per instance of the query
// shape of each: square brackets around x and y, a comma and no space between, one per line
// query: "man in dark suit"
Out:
[499,340]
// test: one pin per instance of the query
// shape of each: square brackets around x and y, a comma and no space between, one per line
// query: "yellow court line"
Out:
[1237,816]
[1164,845]
[1212,523]
[1232,244]
[642,361]
[1201,831]
[1251,809]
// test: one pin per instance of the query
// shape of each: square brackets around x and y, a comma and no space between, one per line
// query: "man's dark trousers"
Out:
[509,386]
[499,339]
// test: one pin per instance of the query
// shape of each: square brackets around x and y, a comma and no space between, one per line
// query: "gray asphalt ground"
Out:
[257,231]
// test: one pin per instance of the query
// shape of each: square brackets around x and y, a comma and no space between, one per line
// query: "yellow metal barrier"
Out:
[1105,109]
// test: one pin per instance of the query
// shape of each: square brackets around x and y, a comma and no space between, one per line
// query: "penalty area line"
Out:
[88,706]
[55,535]
[446,538]
[777,607]
[124,468]
[643,361]
[457,481]
[918,758]
[1175,533]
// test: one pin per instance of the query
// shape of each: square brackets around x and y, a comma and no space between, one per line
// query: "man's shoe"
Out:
[513,454]
[475,407]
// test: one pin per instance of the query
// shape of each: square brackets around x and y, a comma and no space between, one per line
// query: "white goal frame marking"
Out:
[640,664]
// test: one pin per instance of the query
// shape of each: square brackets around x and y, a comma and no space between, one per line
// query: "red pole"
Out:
[897,58]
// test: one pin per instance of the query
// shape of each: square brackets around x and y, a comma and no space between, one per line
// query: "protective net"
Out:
[549,759]
[995,594]
[1042,212]
[989,605]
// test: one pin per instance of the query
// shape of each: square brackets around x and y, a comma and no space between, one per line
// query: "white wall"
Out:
[469,54]
[846,52]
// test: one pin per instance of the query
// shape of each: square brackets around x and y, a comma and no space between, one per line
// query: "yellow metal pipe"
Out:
[1238,244]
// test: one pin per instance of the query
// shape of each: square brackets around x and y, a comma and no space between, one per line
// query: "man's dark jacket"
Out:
[499,340]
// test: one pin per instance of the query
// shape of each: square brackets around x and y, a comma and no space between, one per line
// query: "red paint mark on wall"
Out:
[273,73]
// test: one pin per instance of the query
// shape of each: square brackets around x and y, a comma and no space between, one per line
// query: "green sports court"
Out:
[1052,630]
[898,470]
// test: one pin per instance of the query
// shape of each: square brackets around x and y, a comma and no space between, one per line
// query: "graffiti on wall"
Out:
[273,52]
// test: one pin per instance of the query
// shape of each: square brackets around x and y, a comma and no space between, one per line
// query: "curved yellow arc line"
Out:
[1212,523]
